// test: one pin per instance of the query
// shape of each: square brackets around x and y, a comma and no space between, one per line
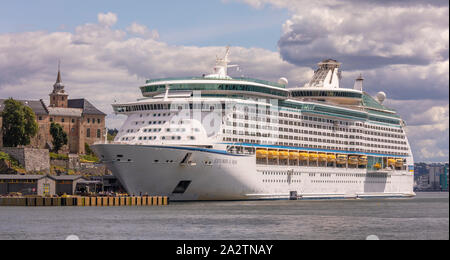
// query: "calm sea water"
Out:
[423,217]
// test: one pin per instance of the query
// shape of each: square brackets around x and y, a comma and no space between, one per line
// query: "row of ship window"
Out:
[164,138]
[354,182]
[313,146]
[158,130]
[156,115]
[330,141]
[281,181]
[356,175]
[297,131]
[151,122]
[323,120]
[294,130]
[285,115]
[318,140]
[316,126]
[334,128]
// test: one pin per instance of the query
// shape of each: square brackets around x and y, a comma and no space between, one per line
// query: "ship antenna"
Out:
[221,68]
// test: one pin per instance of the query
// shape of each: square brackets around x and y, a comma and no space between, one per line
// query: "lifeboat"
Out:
[391,162]
[341,159]
[313,156]
[284,155]
[377,166]
[399,162]
[353,160]
[331,158]
[363,160]
[262,153]
[323,157]
[274,154]
[294,155]
[304,156]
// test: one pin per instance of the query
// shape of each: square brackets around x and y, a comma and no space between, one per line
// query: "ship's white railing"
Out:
[109,142]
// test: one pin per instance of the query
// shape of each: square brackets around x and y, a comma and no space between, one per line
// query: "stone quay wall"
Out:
[33,160]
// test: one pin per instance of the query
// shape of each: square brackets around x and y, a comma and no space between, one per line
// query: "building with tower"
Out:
[80,119]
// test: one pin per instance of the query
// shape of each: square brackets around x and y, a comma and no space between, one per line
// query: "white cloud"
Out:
[428,127]
[401,49]
[108,19]
[142,30]
[103,65]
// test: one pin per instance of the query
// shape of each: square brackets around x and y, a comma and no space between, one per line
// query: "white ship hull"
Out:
[217,175]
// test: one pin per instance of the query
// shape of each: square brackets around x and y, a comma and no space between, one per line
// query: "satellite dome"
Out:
[283,81]
[381,97]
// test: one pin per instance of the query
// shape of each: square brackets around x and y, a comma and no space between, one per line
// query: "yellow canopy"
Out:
[304,156]
[341,159]
[363,160]
[284,155]
[262,153]
[353,160]
[294,155]
[274,154]
[391,161]
[399,162]
[313,156]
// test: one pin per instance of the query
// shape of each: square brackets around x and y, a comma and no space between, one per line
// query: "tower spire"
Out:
[58,97]
[58,78]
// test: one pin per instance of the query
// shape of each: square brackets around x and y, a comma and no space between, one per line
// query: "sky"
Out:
[108,48]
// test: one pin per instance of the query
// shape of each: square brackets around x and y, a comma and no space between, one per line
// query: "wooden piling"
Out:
[84,201]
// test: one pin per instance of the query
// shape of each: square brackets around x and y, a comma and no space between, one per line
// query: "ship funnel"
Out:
[359,83]
[327,75]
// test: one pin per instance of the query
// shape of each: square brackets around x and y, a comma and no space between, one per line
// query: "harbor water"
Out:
[423,217]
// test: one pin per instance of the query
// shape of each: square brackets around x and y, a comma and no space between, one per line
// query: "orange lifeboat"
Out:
[399,162]
[313,156]
[304,156]
[262,153]
[294,155]
[391,162]
[353,160]
[331,157]
[363,160]
[274,154]
[341,159]
[284,155]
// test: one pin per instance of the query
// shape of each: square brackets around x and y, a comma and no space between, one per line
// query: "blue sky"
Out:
[179,22]
[109,48]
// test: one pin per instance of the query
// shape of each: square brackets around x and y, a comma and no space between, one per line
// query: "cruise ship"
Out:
[215,137]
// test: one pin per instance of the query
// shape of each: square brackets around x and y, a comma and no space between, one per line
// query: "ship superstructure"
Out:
[221,138]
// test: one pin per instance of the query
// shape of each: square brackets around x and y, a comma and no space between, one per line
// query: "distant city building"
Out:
[444,179]
[435,176]
[82,121]
[431,177]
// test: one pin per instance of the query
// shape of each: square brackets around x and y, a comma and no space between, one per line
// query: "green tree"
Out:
[88,150]
[59,136]
[19,124]
[112,134]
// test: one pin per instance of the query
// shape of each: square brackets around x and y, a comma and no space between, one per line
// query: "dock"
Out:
[76,201]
